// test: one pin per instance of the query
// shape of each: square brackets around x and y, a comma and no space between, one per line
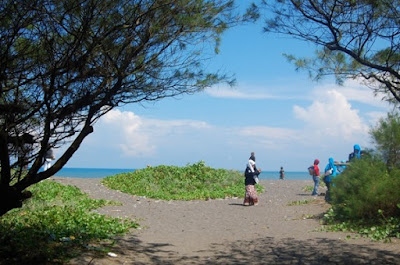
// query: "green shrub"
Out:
[54,225]
[365,189]
[196,181]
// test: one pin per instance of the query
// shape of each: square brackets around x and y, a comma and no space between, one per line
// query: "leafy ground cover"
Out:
[384,230]
[192,182]
[56,224]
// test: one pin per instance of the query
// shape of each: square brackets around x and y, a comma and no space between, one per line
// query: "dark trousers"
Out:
[328,192]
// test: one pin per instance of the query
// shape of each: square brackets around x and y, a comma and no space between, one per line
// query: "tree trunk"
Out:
[10,198]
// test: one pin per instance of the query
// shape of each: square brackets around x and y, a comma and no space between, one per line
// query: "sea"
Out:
[105,172]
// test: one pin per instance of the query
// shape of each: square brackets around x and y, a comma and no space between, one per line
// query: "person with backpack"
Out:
[315,176]
[330,173]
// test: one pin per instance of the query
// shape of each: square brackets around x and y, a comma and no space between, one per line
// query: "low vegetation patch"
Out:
[383,230]
[300,202]
[308,188]
[56,224]
[192,182]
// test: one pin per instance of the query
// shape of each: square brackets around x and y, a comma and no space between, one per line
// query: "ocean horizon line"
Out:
[87,172]
[118,168]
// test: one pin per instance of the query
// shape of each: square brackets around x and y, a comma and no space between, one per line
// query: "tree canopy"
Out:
[356,39]
[386,136]
[65,63]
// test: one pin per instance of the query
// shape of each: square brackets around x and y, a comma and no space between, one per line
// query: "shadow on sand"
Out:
[290,251]
[260,251]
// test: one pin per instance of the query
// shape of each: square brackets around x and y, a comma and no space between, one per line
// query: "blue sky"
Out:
[284,117]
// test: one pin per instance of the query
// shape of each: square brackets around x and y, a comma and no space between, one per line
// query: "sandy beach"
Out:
[226,232]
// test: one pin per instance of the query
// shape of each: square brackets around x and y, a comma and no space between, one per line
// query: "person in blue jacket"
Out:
[330,173]
[356,154]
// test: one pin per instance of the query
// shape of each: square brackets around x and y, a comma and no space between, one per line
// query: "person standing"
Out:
[316,178]
[330,173]
[252,166]
[48,158]
[356,154]
[251,176]
[282,173]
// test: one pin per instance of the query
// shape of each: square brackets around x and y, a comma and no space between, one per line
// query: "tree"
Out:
[65,63]
[386,136]
[355,39]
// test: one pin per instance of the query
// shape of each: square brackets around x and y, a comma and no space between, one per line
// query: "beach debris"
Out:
[111,254]
[67,239]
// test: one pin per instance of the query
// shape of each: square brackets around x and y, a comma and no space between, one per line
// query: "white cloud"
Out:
[124,129]
[139,137]
[176,125]
[354,90]
[238,93]
[329,126]
[331,115]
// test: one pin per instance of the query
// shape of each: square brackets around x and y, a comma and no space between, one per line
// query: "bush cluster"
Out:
[366,190]
[195,181]
[366,200]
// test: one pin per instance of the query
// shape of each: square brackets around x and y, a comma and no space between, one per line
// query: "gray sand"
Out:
[226,232]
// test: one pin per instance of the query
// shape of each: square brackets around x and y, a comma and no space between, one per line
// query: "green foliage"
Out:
[196,181]
[366,200]
[366,196]
[308,188]
[54,225]
[354,39]
[68,63]
[384,230]
[364,188]
[386,136]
